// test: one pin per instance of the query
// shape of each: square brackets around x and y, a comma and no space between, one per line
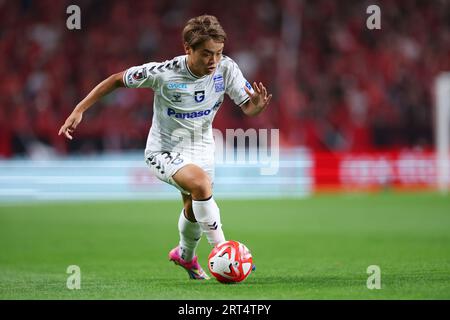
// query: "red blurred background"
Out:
[337,86]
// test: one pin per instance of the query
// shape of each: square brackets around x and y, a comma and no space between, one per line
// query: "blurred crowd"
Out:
[337,85]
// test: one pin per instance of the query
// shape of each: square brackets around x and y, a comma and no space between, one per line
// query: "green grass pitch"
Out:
[313,248]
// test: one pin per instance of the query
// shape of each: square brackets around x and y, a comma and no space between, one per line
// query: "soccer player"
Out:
[188,91]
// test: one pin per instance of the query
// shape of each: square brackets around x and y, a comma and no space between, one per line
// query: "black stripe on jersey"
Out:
[172,65]
[163,66]
[243,102]
[151,70]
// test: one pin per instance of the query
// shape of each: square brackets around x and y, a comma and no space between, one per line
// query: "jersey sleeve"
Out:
[143,76]
[236,83]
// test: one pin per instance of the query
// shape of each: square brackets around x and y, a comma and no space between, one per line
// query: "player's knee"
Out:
[200,188]
[194,180]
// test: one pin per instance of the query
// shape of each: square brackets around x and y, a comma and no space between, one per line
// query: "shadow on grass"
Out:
[280,280]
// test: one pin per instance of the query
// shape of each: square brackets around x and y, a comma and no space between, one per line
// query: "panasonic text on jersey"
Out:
[188,115]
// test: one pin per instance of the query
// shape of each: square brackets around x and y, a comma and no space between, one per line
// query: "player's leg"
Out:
[204,189]
[192,182]
[196,181]
[187,206]
[190,179]
[190,231]
[190,234]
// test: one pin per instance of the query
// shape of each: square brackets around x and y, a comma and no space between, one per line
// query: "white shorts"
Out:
[164,164]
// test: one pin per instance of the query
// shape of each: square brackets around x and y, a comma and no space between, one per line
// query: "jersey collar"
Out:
[190,72]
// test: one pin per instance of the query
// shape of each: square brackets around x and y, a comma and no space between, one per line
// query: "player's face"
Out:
[205,58]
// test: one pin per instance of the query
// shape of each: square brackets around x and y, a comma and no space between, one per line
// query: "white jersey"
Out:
[185,105]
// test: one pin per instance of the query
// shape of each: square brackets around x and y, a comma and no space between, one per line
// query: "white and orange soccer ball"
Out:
[230,261]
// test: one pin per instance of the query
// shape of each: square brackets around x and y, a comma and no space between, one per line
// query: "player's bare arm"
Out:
[259,100]
[103,88]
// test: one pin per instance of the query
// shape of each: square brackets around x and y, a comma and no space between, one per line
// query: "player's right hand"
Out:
[70,125]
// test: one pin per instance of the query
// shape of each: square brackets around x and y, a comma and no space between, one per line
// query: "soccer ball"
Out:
[230,261]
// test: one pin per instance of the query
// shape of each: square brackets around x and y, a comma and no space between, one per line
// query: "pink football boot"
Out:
[192,267]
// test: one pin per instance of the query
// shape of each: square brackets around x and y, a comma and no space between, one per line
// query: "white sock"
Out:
[207,214]
[190,234]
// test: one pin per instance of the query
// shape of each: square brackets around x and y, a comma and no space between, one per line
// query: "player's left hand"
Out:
[70,125]
[259,98]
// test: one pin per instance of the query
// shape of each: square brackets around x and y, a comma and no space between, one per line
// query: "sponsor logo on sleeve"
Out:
[140,74]
[249,87]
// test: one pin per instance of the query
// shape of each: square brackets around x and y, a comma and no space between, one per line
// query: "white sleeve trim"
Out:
[124,78]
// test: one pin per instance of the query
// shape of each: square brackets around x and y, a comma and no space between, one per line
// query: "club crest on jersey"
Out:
[219,85]
[199,96]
